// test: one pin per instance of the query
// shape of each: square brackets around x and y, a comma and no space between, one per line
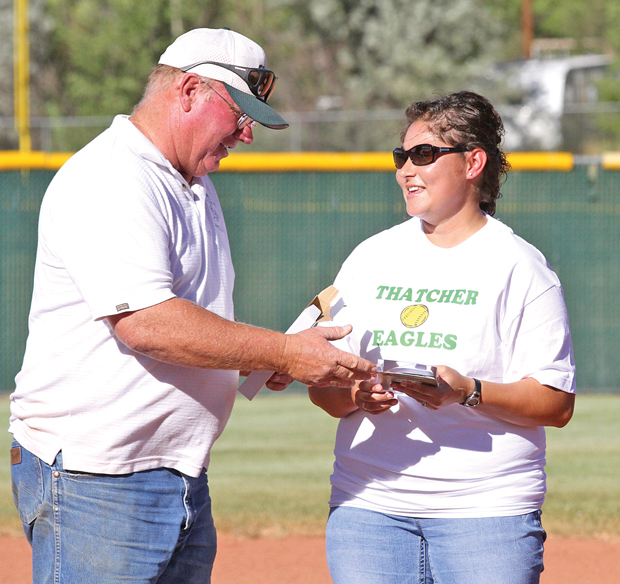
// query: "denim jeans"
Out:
[146,527]
[366,547]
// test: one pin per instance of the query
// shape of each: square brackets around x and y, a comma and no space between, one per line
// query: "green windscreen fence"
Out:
[290,232]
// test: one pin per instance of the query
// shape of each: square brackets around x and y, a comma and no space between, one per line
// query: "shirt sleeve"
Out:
[113,241]
[540,345]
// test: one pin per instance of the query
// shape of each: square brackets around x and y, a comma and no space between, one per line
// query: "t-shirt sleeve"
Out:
[540,345]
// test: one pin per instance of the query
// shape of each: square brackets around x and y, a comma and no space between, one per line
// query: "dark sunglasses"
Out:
[422,154]
[261,81]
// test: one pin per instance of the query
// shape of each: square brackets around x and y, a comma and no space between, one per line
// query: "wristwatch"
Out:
[471,401]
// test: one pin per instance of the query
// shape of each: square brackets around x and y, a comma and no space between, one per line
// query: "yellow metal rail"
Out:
[541,161]
[611,161]
[17,160]
[307,161]
[314,161]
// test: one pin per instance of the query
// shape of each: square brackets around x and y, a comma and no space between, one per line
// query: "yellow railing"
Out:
[314,161]
[541,161]
[16,160]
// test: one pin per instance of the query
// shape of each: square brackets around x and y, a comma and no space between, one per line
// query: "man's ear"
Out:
[189,85]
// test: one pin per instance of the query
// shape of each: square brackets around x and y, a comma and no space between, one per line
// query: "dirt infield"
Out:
[301,560]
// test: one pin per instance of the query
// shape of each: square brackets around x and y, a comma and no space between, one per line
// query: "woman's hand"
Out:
[452,388]
[525,402]
[279,381]
[372,397]
[339,402]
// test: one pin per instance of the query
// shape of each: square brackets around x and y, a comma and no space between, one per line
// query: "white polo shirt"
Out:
[121,230]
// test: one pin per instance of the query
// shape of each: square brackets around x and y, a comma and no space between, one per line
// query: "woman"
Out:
[444,484]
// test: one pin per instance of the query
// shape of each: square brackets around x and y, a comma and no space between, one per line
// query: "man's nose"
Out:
[245,135]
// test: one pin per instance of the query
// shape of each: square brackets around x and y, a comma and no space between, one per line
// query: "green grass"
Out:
[270,470]
[9,520]
[583,470]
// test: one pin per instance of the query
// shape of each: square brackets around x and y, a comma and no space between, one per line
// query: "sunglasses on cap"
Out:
[422,154]
[261,81]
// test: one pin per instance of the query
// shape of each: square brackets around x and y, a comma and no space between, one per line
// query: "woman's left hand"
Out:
[452,388]
[279,381]
[525,402]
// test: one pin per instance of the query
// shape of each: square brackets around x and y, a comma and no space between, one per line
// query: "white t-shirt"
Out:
[491,308]
[121,230]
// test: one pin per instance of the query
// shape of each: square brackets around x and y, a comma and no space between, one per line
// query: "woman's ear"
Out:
[476,161]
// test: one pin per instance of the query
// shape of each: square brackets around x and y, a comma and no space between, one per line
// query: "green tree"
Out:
[593,25]
[369,54]
[383,54]
[39,48]
[394,51]
[102,51]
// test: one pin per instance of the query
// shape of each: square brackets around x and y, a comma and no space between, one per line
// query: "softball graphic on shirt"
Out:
[414,316]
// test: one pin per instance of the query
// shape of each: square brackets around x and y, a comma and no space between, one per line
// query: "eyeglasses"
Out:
[243,120]
[261,81]
[422,154]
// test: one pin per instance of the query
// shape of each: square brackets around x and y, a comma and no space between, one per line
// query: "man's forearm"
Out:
[180,332]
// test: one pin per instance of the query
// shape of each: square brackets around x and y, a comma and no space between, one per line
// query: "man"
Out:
[132,361]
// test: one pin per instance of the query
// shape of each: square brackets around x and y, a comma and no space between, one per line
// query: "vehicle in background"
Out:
[544,101]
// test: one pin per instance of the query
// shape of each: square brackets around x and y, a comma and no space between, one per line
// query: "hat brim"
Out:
[256,108]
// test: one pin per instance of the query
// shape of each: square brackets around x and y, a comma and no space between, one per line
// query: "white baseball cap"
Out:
[234,60]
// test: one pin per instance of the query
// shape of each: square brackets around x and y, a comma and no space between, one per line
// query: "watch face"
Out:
[472,401]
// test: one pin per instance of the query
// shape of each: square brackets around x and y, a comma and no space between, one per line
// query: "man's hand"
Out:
[311,359]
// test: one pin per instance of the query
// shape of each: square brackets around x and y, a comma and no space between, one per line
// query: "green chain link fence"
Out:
[290,231]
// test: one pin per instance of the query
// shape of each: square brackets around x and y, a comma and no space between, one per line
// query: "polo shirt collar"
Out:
[141,145]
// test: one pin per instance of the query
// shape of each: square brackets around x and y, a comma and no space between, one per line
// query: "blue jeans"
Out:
[366,547]
[146,527]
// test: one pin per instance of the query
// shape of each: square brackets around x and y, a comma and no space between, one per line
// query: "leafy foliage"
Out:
[102,51]
[347,54]
[394,51]
[373,54]
[593,24]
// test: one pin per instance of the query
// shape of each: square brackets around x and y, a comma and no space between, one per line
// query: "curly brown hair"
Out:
[467,120]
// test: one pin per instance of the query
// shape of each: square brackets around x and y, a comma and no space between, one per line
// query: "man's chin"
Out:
[212,163]
[217,158]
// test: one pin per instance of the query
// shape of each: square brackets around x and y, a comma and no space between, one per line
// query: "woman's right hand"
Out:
[372,397]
